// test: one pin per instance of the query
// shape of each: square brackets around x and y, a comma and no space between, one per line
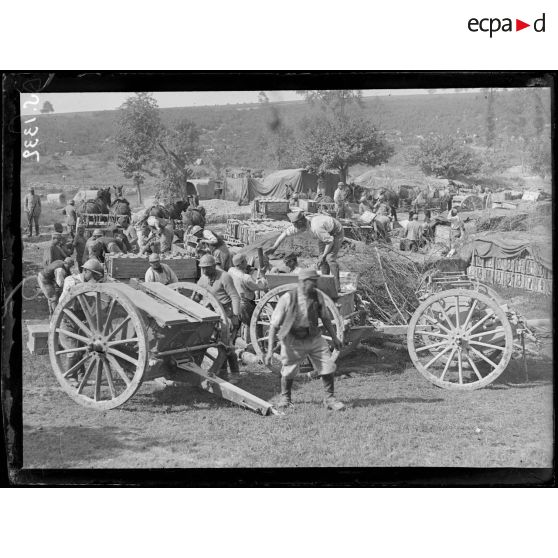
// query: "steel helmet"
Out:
[196,229]
[207,261]
[95,266]
[239,259]
[154,257]
[97,232]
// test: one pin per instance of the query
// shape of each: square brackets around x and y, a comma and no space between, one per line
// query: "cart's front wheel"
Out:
[460,339]
[98,347]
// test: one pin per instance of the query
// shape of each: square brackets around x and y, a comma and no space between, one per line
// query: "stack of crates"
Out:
[520,273]
[272,208]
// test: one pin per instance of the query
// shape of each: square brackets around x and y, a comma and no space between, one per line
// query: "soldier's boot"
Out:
[334,270]
[286,388]
[234,367]
[330,402]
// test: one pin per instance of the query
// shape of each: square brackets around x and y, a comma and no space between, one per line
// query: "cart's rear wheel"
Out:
[259,324]
[98,346]
[212,358]
[469,343]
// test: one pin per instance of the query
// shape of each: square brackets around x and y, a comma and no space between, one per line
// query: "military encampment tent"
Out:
[245,189]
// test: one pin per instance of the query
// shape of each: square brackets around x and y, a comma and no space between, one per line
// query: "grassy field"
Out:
[394,418]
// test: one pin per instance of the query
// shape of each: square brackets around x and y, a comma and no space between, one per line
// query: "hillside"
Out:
[242,130]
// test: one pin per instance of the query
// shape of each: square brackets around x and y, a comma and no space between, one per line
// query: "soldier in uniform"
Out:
[71,217]
[159,272]
[51,280]
[32,206]
[295,322]
[220,284]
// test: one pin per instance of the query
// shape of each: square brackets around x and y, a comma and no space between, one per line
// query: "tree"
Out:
[445,157]
[540,157]
[336,144]
[138,130]
[47,107]
[334,100]
[490,119]
[180,147]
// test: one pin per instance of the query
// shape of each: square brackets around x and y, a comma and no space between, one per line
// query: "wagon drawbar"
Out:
[106,339]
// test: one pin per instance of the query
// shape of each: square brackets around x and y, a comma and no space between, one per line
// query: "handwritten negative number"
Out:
[36,102]
[31,143]
[27,131]
[27,154]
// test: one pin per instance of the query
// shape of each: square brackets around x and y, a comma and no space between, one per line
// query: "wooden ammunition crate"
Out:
[124,266]
[37,342]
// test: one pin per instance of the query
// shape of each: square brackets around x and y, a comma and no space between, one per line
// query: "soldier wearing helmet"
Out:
[159,272]
[209,242]
[93,272]
[220,284]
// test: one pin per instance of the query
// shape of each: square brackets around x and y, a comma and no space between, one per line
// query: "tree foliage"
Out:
[540,157]
[138,131]
[333,100]
[336,144]
[445,157]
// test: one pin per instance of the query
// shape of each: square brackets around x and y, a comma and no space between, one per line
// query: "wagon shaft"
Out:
[223,389]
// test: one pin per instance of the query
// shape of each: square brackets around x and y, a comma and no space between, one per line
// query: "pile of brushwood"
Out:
[389,280]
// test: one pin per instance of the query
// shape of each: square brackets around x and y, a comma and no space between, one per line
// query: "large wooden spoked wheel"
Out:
[460,339]
[212,358]
[259,325]
[98,346]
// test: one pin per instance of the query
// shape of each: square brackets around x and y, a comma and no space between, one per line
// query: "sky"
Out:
[81,102]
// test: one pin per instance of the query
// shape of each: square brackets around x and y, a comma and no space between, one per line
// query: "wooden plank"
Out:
[224,389]
[163,313]
[183,303]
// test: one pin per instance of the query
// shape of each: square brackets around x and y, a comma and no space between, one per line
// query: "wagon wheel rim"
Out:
[470,342]
[259,325]
[106,336]
[212,358]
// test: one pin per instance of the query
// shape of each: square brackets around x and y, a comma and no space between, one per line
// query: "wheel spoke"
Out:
[108,374]
[83,382]
[124,356]
[486,359]
[473,306]
[436,323]
[109,316]
[72,350]
[98,310]
[69,372]
[459,366]
[86,311]
[450,323]
[72,335]
[434,345]
[98,378]
[78,322]
[481,321]
[488,345]
[457,312]
[118,369]
[489,332]
[122,341]
[437,357]
[119,327]
[448,363]
[474,366]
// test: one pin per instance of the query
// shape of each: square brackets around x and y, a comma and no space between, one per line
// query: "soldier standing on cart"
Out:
[295,322]
[330,235]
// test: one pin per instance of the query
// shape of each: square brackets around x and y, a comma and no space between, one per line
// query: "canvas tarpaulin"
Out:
[244,190]
[512,246]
